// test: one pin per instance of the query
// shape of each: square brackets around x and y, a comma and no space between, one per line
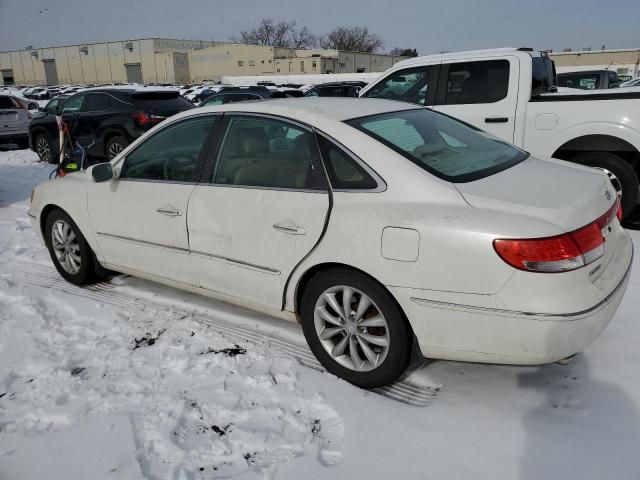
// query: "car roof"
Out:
[309,109]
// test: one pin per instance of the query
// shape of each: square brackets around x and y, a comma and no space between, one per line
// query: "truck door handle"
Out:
[496,120]
[290,229]
[169,212]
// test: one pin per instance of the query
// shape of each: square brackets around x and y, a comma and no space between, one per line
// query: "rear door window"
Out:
[95,102]
[414,85]
[6,102]
[475,82]
[269,153]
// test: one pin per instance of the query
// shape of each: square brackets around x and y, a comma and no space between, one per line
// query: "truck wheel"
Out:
[621,174]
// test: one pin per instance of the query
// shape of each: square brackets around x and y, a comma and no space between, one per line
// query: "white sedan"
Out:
[384,228]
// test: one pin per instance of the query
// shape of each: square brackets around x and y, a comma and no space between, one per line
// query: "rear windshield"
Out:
[6,102]
[441,145]
[161,101]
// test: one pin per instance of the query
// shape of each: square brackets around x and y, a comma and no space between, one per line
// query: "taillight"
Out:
[560,253]
[144,118]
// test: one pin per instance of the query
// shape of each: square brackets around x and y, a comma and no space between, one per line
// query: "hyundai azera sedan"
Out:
[385,229]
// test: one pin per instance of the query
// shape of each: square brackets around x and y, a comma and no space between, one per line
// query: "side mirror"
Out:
[102,172]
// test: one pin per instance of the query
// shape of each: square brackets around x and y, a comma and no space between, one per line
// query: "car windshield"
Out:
[443,146]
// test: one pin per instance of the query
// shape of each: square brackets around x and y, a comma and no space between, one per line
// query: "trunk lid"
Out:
[566,195]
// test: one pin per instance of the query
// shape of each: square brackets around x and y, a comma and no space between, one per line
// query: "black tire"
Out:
[626,176]
[114,146]
[399,333]
[44,148]
[87,271]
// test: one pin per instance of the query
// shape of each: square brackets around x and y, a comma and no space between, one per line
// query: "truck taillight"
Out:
[560,253]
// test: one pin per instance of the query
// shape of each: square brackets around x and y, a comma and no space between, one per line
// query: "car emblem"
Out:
[607,194]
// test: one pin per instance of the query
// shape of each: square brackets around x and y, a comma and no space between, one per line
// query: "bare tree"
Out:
[404,52]
[352,39]
[277,34]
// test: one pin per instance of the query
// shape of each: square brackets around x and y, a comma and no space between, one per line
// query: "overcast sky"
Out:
[430,26]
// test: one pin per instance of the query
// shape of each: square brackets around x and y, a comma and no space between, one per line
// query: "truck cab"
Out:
[512,93]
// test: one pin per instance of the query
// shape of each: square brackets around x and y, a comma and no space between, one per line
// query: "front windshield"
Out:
[441,145]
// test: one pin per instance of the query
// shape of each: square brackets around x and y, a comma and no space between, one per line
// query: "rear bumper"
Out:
[452,331]
[12,136]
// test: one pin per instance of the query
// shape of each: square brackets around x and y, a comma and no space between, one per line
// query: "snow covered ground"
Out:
[132,380]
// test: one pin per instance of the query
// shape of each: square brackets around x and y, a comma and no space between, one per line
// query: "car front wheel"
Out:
[70,252]
[355,328]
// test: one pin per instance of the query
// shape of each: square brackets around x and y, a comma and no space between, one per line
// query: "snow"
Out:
[127,380]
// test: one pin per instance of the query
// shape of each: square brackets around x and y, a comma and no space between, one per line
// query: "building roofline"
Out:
[586,52]
[106,41]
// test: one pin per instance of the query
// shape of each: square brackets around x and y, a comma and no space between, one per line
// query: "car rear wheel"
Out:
[70,252]
[43,148]
[620,173]
[115,145]
[355,328]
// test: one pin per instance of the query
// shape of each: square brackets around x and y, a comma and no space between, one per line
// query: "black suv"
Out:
[102,121]
[242,94]
[335,89]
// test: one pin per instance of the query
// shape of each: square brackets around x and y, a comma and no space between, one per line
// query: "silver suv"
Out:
[14,121]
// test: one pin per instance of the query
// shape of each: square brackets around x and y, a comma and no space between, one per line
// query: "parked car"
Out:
[335,89]
[14,120]
[241,94]
[511,93]
[378,225]
[589,80]
[103,120]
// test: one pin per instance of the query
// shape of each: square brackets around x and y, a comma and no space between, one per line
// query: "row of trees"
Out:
[288,34]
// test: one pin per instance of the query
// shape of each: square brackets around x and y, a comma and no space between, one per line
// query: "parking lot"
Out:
[106,382]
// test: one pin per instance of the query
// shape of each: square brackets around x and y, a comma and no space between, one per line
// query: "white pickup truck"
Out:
[512,94]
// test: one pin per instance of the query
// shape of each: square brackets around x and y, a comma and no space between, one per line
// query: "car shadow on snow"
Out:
[584,429]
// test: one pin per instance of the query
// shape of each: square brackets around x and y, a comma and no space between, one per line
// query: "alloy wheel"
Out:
[66,247]
[351,328]
[114,149]
[43,149]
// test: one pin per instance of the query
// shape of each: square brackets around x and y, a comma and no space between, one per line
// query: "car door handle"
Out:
[496,120]
[290,229]
[169,212]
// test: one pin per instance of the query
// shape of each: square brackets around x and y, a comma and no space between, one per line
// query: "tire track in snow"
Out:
[105,292]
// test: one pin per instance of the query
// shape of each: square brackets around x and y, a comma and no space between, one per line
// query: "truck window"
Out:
[414,85]
[476,82]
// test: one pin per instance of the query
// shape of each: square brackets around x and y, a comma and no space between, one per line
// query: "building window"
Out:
[302,65]
[342,64]
[269,61]
[252,63]
[314,64]
[240,63]
[359,70]
[262,61]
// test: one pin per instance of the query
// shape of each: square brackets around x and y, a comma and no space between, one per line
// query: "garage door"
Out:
[134,73]
[50,72]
